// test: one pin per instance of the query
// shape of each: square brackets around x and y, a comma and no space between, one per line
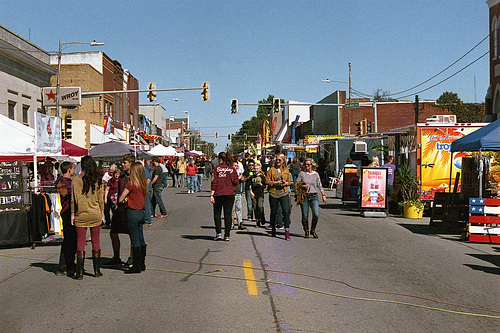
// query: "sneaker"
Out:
[161,216]
[58,272]
[241,227]
[226,239]
[218,237]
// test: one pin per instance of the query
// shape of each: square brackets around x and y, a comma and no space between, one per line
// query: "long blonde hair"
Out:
[283,162]
[138,177]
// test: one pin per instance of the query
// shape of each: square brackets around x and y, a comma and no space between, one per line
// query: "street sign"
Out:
[352,105]
[70,96]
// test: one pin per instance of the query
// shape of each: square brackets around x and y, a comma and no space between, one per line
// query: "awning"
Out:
[73,150]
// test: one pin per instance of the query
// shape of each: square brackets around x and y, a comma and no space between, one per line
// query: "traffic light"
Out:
[369,127]
[245,136]
[216,134]
[68,126]
[363,122]
[359,128]
[276,104]
[234,106]
[229,136]
[151,93]
[199,135]
[205,92]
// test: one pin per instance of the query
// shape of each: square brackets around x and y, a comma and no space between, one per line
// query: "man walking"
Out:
[201,171]
[157,188]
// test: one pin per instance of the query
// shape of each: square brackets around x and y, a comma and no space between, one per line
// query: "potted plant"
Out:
[406,184]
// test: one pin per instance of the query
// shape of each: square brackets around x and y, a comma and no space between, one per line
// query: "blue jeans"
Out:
[295,174]
[284,203]
[180,179]
[157,200]
[191,183]
[147,207]
[135,221]
[199,177]
[313,202]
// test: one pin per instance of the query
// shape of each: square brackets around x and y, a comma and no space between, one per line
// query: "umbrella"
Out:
[117,148]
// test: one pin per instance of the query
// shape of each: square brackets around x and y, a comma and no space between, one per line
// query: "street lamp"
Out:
[349,83]
[59,55]
[172,118]
[175,99]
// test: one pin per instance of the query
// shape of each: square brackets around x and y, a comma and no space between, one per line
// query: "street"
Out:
[361,275]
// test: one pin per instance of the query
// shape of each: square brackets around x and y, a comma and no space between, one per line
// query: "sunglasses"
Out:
[308,164]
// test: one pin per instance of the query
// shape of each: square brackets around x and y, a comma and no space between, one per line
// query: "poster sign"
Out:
[48,132]
[350,184]
[373,188]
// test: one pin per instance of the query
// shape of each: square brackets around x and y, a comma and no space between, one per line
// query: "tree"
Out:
[448,97]
[380,95]
[251,127]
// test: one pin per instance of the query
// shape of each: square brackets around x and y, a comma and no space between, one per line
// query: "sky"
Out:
[252,49]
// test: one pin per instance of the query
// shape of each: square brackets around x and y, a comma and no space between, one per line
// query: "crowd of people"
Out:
[125,200]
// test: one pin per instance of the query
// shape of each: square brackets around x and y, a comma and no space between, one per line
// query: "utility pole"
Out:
[416,109]
[349,114]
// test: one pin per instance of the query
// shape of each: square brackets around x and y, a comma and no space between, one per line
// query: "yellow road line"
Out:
[251,284]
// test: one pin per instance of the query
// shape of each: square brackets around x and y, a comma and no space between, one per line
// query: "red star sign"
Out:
[51,95]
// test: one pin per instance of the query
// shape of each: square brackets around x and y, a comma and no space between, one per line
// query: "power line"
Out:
[418,85]
[449,77]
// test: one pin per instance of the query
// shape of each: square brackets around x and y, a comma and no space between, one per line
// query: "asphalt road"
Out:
[361,275]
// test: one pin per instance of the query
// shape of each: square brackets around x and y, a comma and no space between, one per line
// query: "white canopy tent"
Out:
[161,150]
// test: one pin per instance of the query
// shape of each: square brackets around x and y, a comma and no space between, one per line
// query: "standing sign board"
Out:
[373,188]
[13,186]
[350,185]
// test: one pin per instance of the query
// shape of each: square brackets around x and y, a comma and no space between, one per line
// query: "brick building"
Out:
[95,71]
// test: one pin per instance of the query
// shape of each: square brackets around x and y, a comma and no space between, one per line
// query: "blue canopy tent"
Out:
[483,139]
[486,138]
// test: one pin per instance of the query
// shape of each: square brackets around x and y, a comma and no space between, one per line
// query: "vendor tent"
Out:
[73,150]
[161,150]
[486,138]
[116,148]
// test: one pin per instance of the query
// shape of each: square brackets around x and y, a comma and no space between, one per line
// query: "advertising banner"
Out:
[48,132]
[436,159]
[350,184]
[373,188]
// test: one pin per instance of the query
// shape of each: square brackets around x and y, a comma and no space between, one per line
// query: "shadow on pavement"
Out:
[425,229]
[198,237]
[491,258]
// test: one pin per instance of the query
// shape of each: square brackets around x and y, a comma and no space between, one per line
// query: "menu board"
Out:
[373,188]
[350,184]
[13,185]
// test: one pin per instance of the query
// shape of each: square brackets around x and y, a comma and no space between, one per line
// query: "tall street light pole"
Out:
[59,56]
[349,96]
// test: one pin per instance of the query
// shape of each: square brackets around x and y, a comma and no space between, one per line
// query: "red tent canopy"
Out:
[73,150]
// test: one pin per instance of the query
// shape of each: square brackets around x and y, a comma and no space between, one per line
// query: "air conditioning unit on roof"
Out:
[360,147]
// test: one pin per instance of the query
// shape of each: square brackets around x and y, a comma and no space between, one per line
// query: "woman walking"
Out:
[223,191]
[278,179]
[87,211]
[309,183]
[134,196]
[181,170]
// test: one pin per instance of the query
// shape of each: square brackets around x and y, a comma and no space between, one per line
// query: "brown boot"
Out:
[313,228]
[305,226]
[96,260]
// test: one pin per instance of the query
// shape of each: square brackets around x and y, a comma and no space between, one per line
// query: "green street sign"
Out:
[352,105]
